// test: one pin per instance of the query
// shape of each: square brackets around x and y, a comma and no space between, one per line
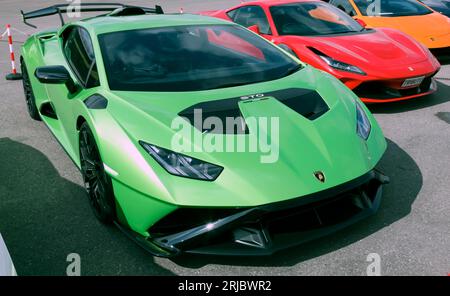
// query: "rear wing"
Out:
[114,8]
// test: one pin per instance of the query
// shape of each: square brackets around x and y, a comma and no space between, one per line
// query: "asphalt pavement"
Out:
[45,216]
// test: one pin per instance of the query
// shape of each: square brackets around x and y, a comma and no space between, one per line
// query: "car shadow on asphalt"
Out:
[398,198]
[44,218]
[444,60]
[442,95]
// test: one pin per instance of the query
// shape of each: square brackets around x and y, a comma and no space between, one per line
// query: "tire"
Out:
[29,95]
[97,182]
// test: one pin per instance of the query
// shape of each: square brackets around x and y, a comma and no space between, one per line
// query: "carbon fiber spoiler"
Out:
[59,9]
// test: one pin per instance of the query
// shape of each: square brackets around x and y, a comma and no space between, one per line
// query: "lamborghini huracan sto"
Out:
[110,88]
[379,65]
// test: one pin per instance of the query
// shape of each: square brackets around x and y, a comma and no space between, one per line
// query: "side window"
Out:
[232,14]
[79,52]
[345,6]
[248,16]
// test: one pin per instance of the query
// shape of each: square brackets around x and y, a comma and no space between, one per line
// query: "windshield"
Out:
[190,58]
[391,8]
[312,18]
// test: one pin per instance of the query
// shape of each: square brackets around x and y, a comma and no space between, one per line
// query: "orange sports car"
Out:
[429,27]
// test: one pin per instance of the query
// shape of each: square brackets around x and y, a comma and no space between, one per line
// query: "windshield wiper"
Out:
[155,71]
[292,70]
[233,84]
[288,72]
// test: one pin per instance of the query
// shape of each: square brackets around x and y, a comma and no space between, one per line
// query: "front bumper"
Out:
[265,229]
[379,92]
[388,86]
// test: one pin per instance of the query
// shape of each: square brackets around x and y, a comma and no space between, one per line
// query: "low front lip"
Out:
[377,101]
[431,90]
[355,81]
[199,239]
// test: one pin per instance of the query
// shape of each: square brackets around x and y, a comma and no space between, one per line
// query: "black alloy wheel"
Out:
[97,182]
[29,95]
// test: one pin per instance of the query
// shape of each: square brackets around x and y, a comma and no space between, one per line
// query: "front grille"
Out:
[305,217]
[379,90]
[187,218]
[324,213]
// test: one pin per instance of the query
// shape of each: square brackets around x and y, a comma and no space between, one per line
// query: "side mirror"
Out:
[255,29]
[55,75]
[361,22]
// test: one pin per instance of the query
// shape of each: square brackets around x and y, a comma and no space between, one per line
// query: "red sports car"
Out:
[379,65]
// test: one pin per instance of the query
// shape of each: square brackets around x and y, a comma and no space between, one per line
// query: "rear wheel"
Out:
[97,182]
[29,95]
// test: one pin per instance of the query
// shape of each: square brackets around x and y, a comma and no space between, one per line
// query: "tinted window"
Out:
[79,52]
[345,6]
[190,58]
[312,18]
[248,16]
[232,14]
[391,8]
[442,6]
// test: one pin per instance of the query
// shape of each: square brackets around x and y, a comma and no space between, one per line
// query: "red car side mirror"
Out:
[255,29]
[361,22]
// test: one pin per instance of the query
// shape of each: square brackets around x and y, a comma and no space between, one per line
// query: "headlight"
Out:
[341,65]
[182,165]
[363,126]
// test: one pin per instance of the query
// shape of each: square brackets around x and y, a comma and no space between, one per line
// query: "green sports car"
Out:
[194,134]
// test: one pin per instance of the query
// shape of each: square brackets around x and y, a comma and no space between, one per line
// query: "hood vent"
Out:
[225,109]
[306,102]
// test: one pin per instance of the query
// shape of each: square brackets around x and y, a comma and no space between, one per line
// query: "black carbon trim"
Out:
[223,109]
[48,110]
[306,102]
[274,226]
[96,102]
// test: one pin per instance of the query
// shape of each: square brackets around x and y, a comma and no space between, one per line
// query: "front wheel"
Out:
[97,182]
[28,91]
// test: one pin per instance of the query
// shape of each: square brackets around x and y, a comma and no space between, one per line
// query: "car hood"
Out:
[371,50]
[302,146]
[422,27]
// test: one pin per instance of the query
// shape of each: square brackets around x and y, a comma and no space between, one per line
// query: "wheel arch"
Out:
[31,56]
[81,118]
[80,121]
[90,119]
